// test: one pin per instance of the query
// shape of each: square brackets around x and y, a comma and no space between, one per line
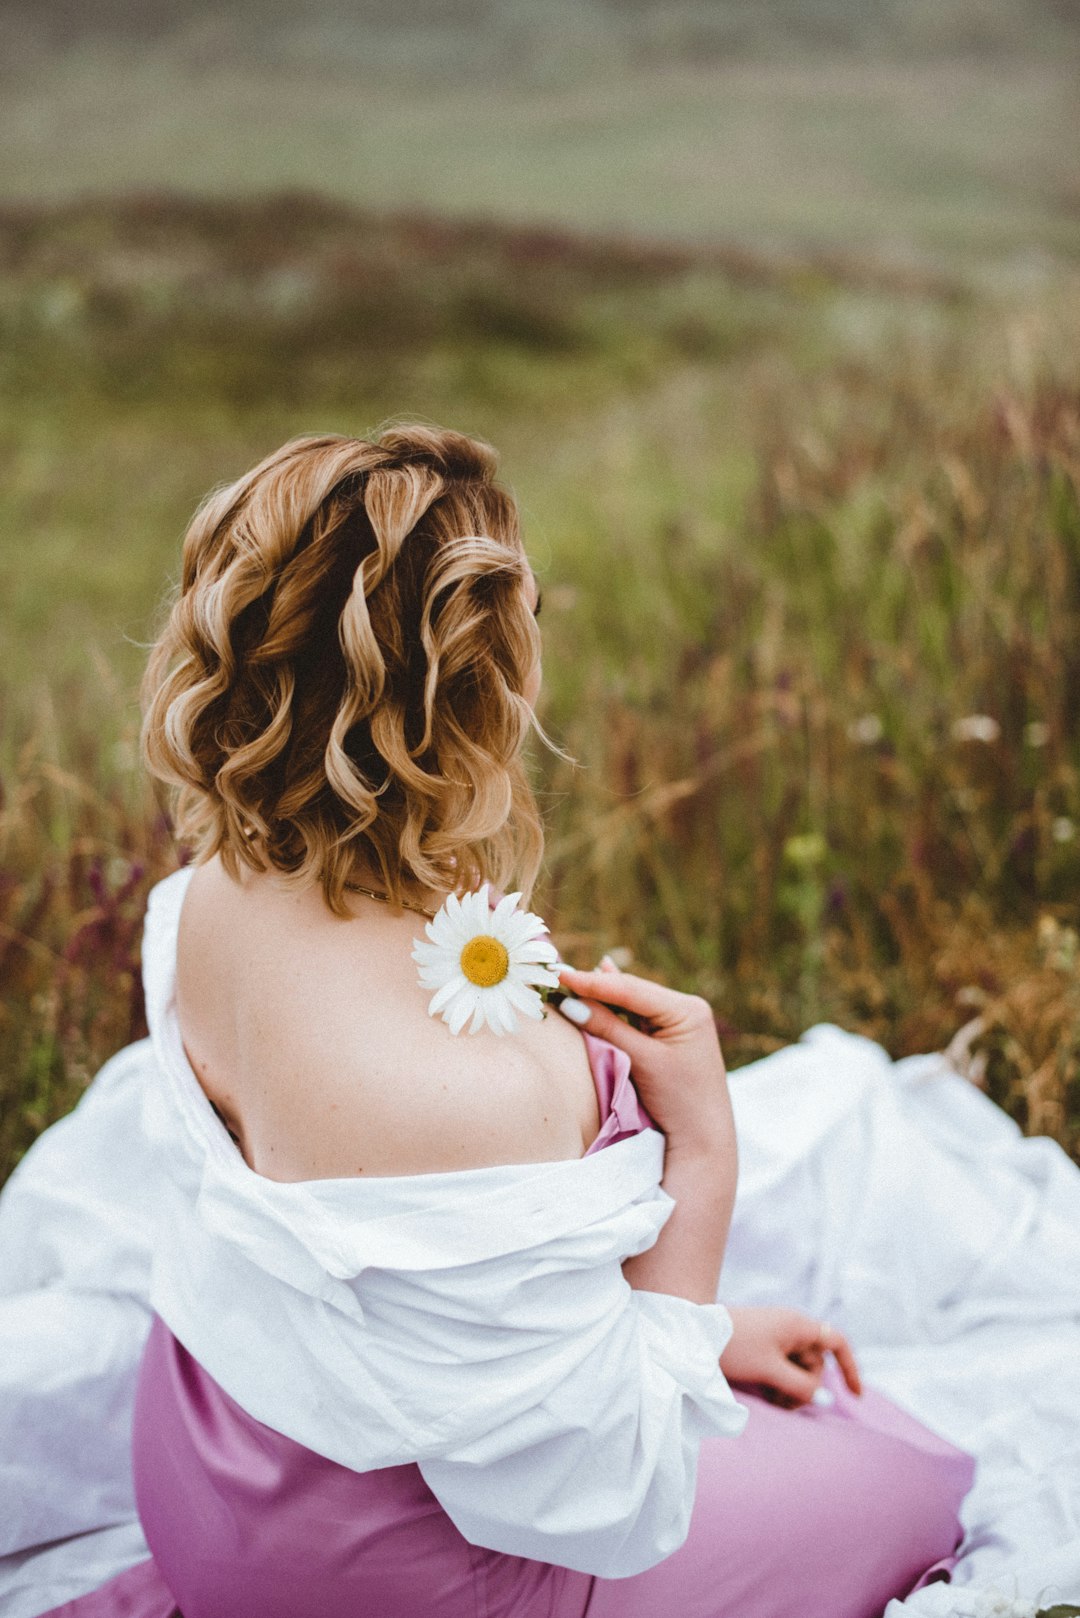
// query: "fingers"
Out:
[827,1339]
[653,1001]
[791,1380]
[838,1345]
[809,1342]
[600,1020]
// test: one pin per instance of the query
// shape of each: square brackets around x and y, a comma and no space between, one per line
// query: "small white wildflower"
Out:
[866,730]
[1063,830]
[976,727]
[1037,733]
[620,956]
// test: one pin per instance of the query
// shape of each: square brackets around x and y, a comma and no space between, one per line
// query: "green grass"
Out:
[795,526]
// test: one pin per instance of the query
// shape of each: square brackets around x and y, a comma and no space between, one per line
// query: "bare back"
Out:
[310,1035]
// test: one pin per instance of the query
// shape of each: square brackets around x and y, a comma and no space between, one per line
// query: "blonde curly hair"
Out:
[342,667]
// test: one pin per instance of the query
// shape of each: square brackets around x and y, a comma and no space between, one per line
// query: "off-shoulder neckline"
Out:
[209,1135]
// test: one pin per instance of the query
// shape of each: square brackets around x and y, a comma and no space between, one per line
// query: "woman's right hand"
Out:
[677,1064]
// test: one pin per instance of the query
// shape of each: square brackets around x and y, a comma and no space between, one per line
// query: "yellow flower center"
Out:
[484,961]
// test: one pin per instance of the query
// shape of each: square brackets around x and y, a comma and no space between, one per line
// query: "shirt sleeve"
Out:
[564,1409]
[601,1475]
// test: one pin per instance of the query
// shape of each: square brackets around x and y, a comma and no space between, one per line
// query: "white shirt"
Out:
[475,1321]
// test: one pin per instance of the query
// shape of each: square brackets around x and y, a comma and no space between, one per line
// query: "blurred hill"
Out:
[924,134]
[446,36]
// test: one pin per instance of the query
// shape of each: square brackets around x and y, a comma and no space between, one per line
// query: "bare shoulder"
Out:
[310,1034]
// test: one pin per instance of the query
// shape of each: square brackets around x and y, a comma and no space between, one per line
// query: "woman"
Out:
[435,1276]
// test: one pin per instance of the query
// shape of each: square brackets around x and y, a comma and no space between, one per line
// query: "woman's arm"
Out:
[686,1257]
[679,1073]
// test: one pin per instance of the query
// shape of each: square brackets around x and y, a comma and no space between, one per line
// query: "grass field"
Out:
[809,540]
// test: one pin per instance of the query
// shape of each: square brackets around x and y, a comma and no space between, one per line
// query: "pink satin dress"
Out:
[823,1511]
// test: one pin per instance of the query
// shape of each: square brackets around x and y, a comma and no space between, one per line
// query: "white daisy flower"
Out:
[484,963]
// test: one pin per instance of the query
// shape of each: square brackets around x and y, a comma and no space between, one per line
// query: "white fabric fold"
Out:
[609,1478]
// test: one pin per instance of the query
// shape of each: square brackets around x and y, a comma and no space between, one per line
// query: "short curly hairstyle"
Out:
[343,663]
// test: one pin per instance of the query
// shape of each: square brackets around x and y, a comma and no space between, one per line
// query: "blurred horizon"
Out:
[923,136]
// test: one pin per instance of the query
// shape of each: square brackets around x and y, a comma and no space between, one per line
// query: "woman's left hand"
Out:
[783,1352]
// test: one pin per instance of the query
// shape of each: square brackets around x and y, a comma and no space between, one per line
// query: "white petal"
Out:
[443,930]
[534,951]
[524,998]
[458,1014]
[438,973]
[507,905]
[538,975]
[501,1019]
[485,913]
[489,1012]
[478,1016]
[528,963]
[509,1012]
[471,918]
[434,977]
[516,930]
[487,923]
[455,985]
[496,926]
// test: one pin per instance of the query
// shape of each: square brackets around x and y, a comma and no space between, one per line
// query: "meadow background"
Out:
[773,313]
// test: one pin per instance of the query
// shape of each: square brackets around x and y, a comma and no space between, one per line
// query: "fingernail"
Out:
[577,1011]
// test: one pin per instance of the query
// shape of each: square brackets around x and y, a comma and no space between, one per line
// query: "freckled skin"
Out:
[322,1030]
